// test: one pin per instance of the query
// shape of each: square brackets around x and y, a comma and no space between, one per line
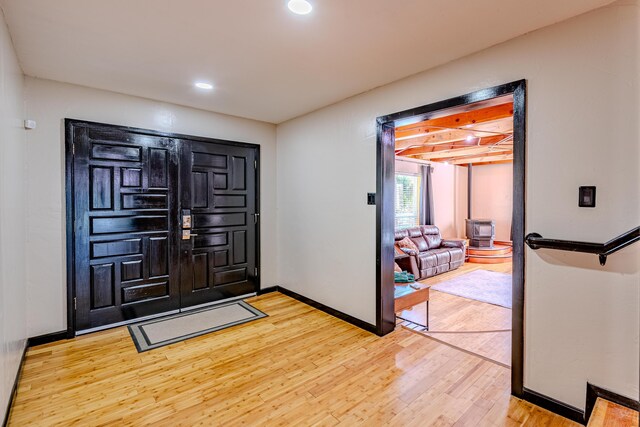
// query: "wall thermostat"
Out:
[29,124]
[587,197]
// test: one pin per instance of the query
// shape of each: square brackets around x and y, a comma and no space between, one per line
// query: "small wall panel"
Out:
[144,292]
[159,256]
[102,286]
[144,201]
[226,201]
[239,173]
[116,248]
[200,271]
[229,276]
[131,177]
[219,220]
[101,188]
[210,160]
[157,168]
[128,224]
[131,270]
[239,247]
[199,190]
[116,152]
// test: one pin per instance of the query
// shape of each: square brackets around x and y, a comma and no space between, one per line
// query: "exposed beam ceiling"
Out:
[475,136]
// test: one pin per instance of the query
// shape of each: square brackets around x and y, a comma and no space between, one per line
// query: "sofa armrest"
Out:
[410,252]
[409,263]
[453,244]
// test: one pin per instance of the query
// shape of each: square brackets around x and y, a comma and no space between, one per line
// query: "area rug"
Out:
[480,285]
[179,327]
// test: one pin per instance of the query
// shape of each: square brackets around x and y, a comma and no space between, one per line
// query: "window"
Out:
[407,201]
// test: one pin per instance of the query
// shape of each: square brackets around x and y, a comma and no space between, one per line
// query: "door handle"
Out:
[255,218]
[186,234]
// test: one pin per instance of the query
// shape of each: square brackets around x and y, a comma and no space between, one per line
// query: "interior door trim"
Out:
[69,125]
[385,172]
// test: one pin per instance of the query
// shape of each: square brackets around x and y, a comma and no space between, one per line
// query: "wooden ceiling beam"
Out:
[456,153]
[462,143]
[496,128]
[473,117]
[480,159]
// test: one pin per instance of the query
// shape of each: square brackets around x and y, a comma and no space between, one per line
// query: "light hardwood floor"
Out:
[475,326]
[298,366]
[609,414]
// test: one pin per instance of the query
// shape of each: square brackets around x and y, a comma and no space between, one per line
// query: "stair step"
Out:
[495,250]
[489,259]
[607,414]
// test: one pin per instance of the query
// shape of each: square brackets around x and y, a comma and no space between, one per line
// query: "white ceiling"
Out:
[266,63]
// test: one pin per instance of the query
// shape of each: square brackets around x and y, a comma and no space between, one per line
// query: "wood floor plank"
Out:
[299,366]
[475,326]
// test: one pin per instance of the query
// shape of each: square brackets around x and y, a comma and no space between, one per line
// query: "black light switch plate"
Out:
[587,197]
[371,198]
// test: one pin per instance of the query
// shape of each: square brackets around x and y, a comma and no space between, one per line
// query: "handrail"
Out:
[536,241]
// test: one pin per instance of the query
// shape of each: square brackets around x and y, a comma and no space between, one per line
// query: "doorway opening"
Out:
[450,220]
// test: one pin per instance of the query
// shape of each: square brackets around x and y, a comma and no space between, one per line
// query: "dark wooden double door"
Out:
[160,222]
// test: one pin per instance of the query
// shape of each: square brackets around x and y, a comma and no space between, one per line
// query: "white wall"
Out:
[492,196]
[583,108]
[49,103]
[13,330]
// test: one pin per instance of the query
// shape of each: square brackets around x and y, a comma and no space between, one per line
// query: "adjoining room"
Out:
[453,226]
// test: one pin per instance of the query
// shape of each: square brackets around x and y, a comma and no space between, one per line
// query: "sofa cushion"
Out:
[407,243]
[427,260]
[401,234]
[433,240]
[456,254]
[442,255]
[429,229]
[431,234]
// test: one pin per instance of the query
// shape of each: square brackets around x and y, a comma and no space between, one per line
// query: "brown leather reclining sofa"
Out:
[434,256]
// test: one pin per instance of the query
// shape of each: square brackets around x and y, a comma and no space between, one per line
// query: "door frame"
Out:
[385,178]
[69,125]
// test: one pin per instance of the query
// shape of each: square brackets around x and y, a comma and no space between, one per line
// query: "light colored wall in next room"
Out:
[49,103]
[13,319]
[582,129]
[492,196]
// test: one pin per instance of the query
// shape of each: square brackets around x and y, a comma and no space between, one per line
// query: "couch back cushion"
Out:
[415,234]
[401,234]
[431,235]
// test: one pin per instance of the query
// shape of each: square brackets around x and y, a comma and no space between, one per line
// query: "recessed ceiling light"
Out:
[300,7]
[204,85]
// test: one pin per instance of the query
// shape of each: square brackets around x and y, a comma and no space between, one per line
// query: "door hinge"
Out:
[255,271]
[73,149]
[255,164]
[75,303]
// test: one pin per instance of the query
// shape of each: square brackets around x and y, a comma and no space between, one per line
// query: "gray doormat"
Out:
[480,285]
[179,327]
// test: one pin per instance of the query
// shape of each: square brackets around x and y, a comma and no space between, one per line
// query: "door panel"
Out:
[129,188]
[126,231]
[218,191]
